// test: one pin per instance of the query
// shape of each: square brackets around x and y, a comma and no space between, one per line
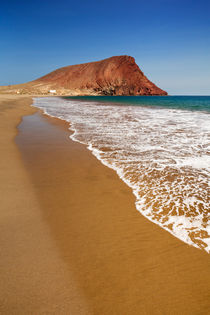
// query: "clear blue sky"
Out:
[170,39]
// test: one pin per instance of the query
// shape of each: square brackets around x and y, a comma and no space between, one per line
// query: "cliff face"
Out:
[118,75]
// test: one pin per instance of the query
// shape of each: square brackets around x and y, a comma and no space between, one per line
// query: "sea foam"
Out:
[162,154]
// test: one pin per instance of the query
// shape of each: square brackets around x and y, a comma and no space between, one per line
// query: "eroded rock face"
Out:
[118,75]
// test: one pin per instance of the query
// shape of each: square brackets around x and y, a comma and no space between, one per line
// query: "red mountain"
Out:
[118,75]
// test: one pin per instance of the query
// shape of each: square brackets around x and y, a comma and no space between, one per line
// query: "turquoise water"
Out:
[201,103]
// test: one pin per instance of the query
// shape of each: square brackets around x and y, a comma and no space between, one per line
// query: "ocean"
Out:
[159,146]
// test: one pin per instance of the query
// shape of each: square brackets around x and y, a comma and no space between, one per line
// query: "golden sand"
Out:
[34,278]
[72,241]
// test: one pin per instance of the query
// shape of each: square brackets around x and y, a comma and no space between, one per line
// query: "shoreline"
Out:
[33,275]
[182,224]
[107,257]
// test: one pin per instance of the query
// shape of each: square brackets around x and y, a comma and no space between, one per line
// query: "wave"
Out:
[161,153]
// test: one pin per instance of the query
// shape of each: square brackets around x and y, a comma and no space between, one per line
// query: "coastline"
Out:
[33,276]
[102,254]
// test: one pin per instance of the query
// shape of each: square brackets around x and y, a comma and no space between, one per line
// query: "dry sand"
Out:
[72,241]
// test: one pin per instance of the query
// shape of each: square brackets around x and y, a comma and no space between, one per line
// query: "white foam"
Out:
[162,154]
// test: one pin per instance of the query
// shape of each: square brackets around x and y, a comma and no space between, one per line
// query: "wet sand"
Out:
[74,243]
[34,277]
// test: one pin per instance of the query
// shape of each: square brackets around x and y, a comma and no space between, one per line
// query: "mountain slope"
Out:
[118,75]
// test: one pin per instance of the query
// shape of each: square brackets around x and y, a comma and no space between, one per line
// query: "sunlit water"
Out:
[160,146]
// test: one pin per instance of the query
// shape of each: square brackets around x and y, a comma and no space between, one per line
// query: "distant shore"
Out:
[72,241]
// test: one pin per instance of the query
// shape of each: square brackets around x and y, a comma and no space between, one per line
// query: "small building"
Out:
[52,91]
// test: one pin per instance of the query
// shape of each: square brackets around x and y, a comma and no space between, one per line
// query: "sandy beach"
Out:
[72,241]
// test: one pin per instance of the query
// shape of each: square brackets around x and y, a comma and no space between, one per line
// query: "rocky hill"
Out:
[118,75]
